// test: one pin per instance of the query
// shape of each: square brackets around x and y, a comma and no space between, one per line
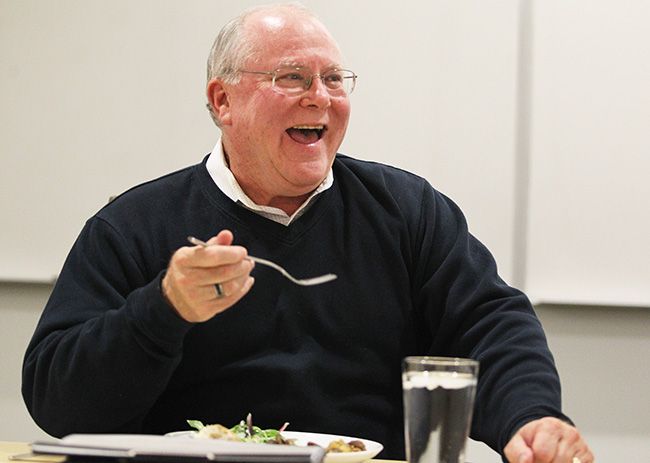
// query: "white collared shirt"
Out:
[227,183]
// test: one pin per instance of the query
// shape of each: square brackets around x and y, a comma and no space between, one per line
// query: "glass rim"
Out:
[438,360]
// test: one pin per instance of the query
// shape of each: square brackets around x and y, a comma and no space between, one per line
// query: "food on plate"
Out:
[340,446]
[246,432]
[242,432]
[217,431]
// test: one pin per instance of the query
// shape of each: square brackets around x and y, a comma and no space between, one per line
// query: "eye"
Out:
[290,77]
[333,78]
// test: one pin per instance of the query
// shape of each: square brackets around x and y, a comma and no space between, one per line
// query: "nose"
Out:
[316,94]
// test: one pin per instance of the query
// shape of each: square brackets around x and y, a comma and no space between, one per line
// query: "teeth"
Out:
[308,127]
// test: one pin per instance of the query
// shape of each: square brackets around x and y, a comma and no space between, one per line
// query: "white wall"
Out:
[589,218]
[20,307]
[101,95]
[602,354]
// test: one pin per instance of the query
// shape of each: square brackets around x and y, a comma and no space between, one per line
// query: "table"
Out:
[8,448]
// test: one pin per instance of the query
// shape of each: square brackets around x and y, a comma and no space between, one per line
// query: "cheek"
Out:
[342,111]
[256,108]
[341,116]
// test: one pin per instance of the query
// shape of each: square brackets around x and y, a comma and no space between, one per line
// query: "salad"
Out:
[246,432]
[242,432]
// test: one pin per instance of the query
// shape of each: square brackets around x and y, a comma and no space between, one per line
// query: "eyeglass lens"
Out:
[297,80]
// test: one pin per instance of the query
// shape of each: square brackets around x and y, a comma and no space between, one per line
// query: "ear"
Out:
[219,99]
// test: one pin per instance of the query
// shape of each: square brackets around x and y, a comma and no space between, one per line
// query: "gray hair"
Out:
[232,47]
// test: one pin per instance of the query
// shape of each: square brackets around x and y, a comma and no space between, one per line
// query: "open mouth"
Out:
[306,134]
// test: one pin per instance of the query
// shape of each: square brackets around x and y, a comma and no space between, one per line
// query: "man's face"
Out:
[271,157]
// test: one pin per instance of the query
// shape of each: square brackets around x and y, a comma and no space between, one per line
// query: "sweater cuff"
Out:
[156,319]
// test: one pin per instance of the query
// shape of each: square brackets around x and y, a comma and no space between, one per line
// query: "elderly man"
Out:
[143,331]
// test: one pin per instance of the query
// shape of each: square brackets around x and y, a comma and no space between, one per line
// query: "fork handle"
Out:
[268,263]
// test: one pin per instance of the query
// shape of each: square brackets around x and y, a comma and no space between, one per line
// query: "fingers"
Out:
[193,271]
[569,443]
[224,238]
[517,451]
[215,264]
[232,293]
[230,284]
[547,440]
[210,256]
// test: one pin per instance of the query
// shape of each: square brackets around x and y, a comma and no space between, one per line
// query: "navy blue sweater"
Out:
[109,355]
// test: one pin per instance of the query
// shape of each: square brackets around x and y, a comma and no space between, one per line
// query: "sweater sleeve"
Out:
[106,344]
[469,311]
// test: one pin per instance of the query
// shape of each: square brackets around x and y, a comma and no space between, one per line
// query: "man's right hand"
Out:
[193,272]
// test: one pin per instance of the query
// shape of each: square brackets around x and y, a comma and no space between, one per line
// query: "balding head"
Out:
[241,41]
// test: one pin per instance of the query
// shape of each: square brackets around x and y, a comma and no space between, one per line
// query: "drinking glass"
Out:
[438,403]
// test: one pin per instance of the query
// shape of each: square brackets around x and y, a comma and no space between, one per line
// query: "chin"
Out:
[308,179]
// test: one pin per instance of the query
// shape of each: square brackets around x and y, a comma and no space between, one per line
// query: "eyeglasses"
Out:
[296,80]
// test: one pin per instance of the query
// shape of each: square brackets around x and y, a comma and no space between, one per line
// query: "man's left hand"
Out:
[548,440]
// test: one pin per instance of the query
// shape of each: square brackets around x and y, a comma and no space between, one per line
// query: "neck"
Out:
[289,204]
[287,198]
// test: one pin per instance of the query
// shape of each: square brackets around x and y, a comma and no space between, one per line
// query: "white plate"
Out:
[303,438]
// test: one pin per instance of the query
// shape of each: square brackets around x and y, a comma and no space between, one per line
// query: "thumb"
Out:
[517,451]
[223,238]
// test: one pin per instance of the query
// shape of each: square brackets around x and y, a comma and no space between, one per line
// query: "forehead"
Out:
[278,37]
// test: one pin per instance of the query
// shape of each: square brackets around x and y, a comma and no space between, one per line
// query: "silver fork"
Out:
[299,281]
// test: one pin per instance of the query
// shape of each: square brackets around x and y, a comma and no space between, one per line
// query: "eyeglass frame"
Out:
[308,81]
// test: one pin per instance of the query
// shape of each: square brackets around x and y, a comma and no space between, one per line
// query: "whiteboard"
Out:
[97,96]
[589,210]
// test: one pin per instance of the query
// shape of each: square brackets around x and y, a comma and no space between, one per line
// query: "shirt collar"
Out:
[227,183]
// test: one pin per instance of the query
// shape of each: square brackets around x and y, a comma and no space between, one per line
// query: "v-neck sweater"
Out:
[109,355]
